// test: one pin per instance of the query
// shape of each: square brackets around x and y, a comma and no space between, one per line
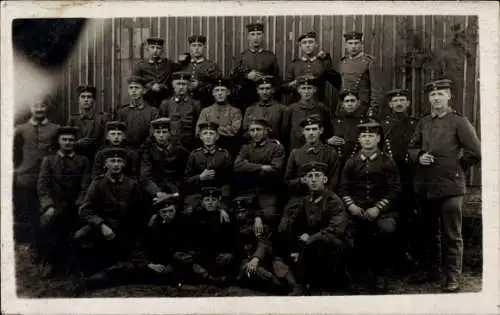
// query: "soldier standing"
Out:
[157,72]
[182,110]
[369,187]
[358,71]
[251,65]
[307,106]
[314,63]
[137,114]
[63,181]
[443,146]
[266,108]
[203,71]
[90,124]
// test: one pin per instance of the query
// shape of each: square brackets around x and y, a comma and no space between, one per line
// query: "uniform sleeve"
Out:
[190,177]
[43,185]
[147,174]
[290,214]
[338,219]
[334,172]
[202,119]
[345,183]
[393,184]
[327,122]
[285,126]
[84,181]
[162,109]
[332,75]
[289,77]
[87,211]
[376,93]
[18,146]
[470,142]
[225,175]
[263,249]
[205,85]
[242,164]
[291,179]
[415,145]
[239,72]
[98,165]
[278,158]
[235,121]
[275,71]
[155,114]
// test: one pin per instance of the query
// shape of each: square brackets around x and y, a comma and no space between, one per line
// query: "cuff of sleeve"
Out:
[152,189]
[96,221]
[46,205]
[382,204]
[347,201]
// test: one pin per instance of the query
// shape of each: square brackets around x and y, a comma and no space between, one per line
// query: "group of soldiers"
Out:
[201,178]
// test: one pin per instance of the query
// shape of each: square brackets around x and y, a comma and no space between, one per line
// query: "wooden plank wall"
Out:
[110,47]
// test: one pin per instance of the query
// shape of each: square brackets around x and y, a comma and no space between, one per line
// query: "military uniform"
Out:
[272,111]
[261,60]
[137,118]
[359,73]
[158,70]
[322,216]
[451,140]
[250,179]
[345,126]
[62,183]
[183,112]
[32,142]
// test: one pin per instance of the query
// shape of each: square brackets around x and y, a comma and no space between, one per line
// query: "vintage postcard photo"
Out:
[249,157]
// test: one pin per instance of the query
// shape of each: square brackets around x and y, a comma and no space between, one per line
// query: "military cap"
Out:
[112,152]
[160,123]
[155,41]
[67,130]
[314,166]
[86,88]
[346,92]
[181,75]
[244,202]
[311,120]
[260,121]
[166,203]
[397,92]
[306,35]
[197,39]
[307,80]
[353,35]
[211,192]
[438,85]
[208,125]
[255,27]
[115,125]
[222,82]
[266,79]
[369,125]
[136,79]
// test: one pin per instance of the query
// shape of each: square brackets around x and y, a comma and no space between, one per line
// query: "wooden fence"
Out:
[409,51]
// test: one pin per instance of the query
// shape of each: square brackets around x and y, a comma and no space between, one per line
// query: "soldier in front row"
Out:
[369,187]
[64,177]
[444,146]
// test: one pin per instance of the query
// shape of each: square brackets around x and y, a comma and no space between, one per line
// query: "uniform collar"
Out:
[316,196]
[44,122]
[119,179]
[260,144]
[198,61]
[357,56]
[266,104]
[139,105]
[304,58]
[371,157]
[62,155]
[207,151]
[88,115]
[312,148]
[156,60]
[165,148]
[256,50]
[178,99]
[441,115]
[309,104]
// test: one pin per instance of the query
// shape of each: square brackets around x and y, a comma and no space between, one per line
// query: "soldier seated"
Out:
[259,267]
[369,186]
[316,237]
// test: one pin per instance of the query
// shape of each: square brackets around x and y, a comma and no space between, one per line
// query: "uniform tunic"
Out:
[183,113]
[132,166]
[137,119]
[359,74]
[346,126]
[295,113]
[162,168]
[205,71]
[92,127]
[271,111]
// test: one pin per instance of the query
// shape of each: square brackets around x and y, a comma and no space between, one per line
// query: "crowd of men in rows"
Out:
[212,179]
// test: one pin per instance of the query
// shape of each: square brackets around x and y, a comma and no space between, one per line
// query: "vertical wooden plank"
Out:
[171,36]
[368,38]
[464,104]
[476,109]
[182,36]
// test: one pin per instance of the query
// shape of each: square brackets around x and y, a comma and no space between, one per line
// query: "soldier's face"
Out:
[67,142]
[265,91]
[86,100]
[39,111]
[369,140]
[306,92]
[257,132]
[115,165]
[210,203]
[220,94]
[208,137]
[399,104]
[439,99]
[135,90]
[115,137]
[168,213]
[312,133]
[308,45]
[241,214]
[316,180]
[155,50]
[350,103]
[197,49]
[180,87]
[353,46]
[161,135]
[255,38]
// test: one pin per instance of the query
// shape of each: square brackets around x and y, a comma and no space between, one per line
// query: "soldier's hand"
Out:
[252,265]
[336,141]
[48,216]
[223,130]
[266,168]
[155,87]
[207,174]
[294,256]
[107,232]
[159,268]
[258,227]
[372,213]
[292,84]
[82,232]
[426,159]
[160,197]
[321,54]
[224,216]
[304,237]
[355,210]
[254,75]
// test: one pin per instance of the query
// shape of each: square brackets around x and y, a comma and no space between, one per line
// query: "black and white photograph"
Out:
[151,152]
